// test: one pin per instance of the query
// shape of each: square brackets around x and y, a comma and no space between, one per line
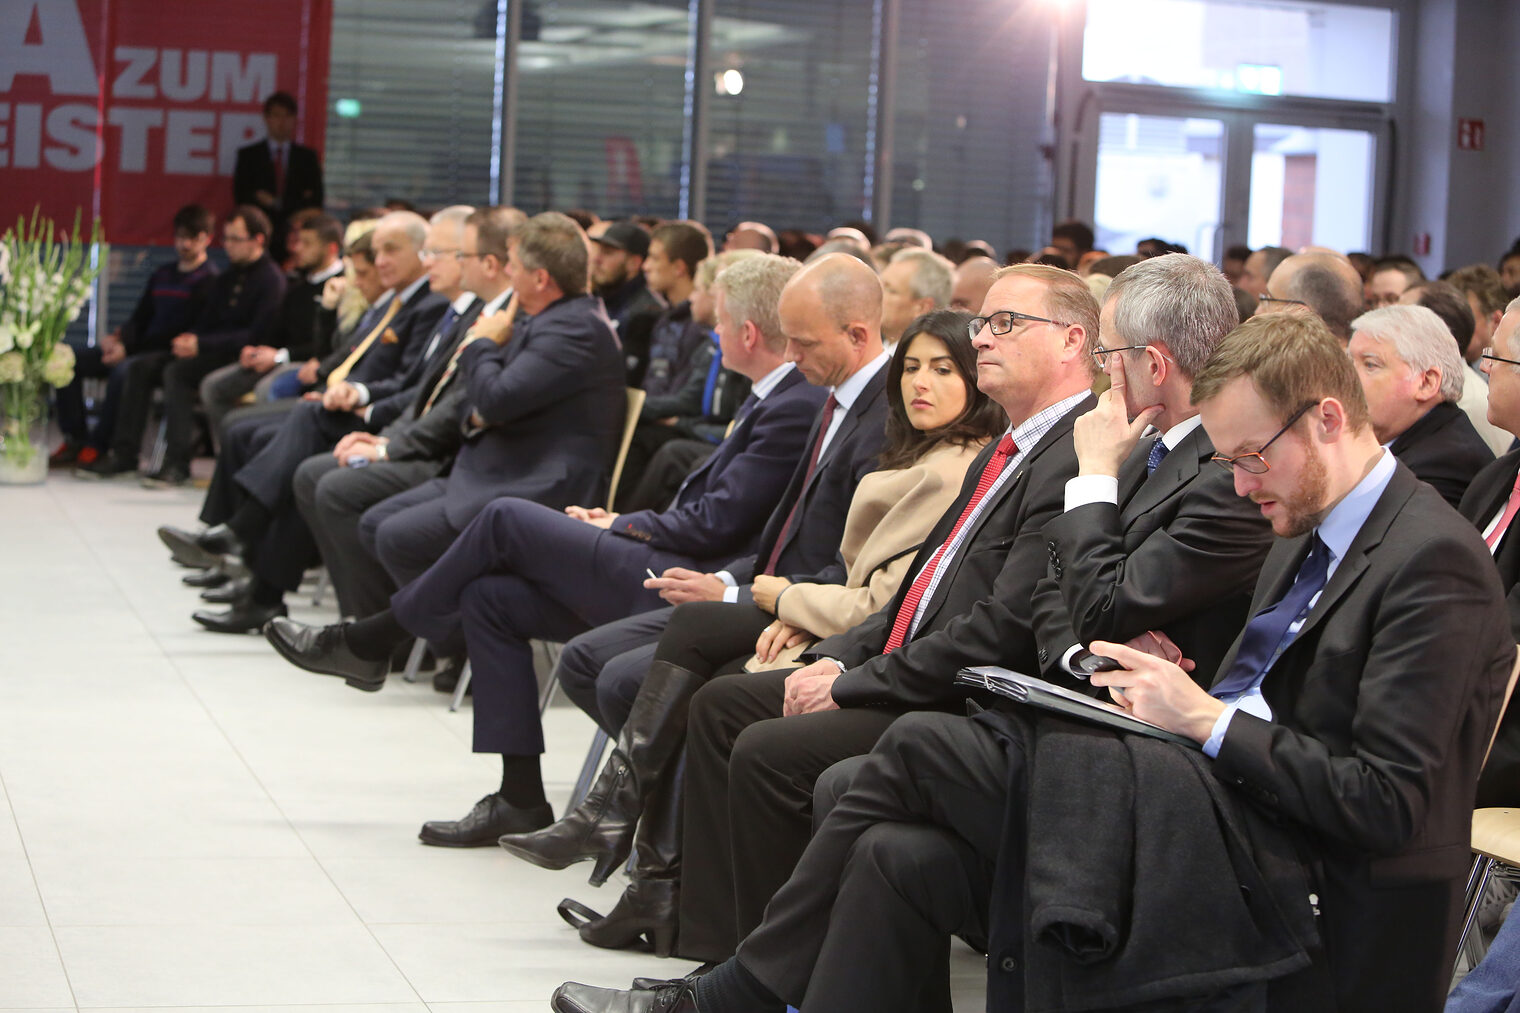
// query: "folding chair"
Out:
[1496,849]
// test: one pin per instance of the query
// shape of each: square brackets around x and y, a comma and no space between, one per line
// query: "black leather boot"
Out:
[649,910]
[601,828]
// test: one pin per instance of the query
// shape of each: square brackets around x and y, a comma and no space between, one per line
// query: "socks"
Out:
[249,522]
[373,638]
[522,783]
[264,593]
[729,988]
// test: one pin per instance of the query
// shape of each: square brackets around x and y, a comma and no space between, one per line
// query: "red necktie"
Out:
[1510,509]
[905,612]
[823,432]
[279,170]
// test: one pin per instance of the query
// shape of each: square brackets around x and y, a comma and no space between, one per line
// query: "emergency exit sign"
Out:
[1470,135]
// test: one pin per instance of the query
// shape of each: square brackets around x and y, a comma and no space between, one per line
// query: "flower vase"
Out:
[23,434]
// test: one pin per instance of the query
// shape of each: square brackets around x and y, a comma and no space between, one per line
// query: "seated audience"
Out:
[1412,377]
[1494,985]
[617,276]
[1455,311]
[937,423]
[1072,240]
[170,302]
[1259,267]
[1391,277]
[1509,270]
[1323,283]
[751,236]
[292,335]
[973,277]
[1234,263]
[914,282]
[1333,788]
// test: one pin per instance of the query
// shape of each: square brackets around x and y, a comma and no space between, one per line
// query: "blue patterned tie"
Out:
[1266,634]
[1153,460]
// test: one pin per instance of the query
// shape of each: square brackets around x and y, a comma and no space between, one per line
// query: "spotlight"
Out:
[728,82]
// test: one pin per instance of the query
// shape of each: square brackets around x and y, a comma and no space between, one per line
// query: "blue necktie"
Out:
[1153,459]
[1267,631]
[449,316]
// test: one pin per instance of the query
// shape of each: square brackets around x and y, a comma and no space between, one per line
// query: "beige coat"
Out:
[890,514]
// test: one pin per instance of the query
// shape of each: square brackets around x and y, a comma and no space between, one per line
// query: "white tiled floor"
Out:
[188,823]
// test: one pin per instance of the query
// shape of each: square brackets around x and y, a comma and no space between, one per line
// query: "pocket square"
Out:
[390,337]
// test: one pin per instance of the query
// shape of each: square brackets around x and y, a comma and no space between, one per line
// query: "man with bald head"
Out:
[1323,283]
[751,236]
[973,277]
[757,743]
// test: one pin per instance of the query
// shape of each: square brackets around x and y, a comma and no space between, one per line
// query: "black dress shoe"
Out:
[215,547]
[205,578]
[491,817]
[165,478]
[697,972]
[674,997]
[446,679]
[243,617]
[107,465]
[324,650]
[227,593]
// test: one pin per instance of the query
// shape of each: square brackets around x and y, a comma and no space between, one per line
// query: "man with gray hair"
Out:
[1412,374]
[914,282]
[1323,283]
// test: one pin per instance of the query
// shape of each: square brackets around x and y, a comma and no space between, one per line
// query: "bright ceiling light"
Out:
[728,82]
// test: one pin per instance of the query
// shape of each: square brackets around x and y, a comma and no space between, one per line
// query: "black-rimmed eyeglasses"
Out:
[1488,353]
[1254,463]
[1002,322]
[1101,354]
[1268,297]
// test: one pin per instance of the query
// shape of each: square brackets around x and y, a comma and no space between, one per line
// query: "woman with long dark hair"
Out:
[937,423]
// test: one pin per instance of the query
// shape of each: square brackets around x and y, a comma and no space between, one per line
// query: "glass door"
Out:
[1162,177]
[1311,187]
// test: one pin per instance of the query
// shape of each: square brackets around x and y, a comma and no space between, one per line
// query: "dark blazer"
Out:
[1444,449]
[1500,783]
[385,364]
[254,171]
[294,327]
[1383,704]
[811,546]
[553,402]
[434,436]
[1181,555]
[426,368]
[240,305]
[981,610]
[723,503]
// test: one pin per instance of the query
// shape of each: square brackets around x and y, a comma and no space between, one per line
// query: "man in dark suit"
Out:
[1143,510]
[249,503]
[1491,503]
[277,174]
[1354,710]
[755,744]
[522,569]
[834,336]
[1412,375]
[332,491]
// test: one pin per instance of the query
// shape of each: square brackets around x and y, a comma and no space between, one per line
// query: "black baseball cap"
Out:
[629,236]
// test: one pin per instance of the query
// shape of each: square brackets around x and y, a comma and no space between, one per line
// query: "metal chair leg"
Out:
[460,688]
[589,768]
[324,581]
[414,660]
[1470,920]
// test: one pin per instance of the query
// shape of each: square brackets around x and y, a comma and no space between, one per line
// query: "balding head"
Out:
[398,240]
[972,280]
[1325,283]
[831,315]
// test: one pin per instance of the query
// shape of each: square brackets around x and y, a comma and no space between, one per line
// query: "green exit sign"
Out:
[1258,79]
[347,108]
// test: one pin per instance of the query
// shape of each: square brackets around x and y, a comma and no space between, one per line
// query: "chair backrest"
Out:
[1509,694]
[635,406]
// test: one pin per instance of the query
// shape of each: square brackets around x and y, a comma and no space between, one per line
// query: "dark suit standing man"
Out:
[276,174]
[836,343]
[1491,503]
[1354,709]
[1412,375]
[756,743]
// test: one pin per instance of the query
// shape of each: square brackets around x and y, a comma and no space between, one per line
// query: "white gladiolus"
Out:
[7,338]
[12,367]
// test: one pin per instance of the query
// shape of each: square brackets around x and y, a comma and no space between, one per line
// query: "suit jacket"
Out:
[1181,555]
[889,517]
[1500,783]
[553,401]
[1444,449]
[386,363]
[723,503]
[435,436]
[1383,704]
[254,171]
[811,544]
[981,610]
[240,304]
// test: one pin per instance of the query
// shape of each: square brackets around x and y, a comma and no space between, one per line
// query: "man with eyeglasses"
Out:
[1491,503]
[756,743]
[1325,284]
[240,303]
[1309,854]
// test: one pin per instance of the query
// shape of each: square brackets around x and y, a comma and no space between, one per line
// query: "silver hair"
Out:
[751,288]
[454,215]
[414,225]
[1421,339]
[710,266]
[1177,300]
[933,275]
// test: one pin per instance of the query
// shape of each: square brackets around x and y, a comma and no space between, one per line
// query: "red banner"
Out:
[129,109]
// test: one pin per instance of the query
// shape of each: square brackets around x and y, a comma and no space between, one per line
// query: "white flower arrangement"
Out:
[46,274]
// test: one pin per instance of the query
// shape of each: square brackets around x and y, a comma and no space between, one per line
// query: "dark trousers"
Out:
[903,861]
[182,385]
[521,571]
[749,793]
[142,374]
[331,499]
[242,440]
[602,669]
[73,421]
[409,531]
